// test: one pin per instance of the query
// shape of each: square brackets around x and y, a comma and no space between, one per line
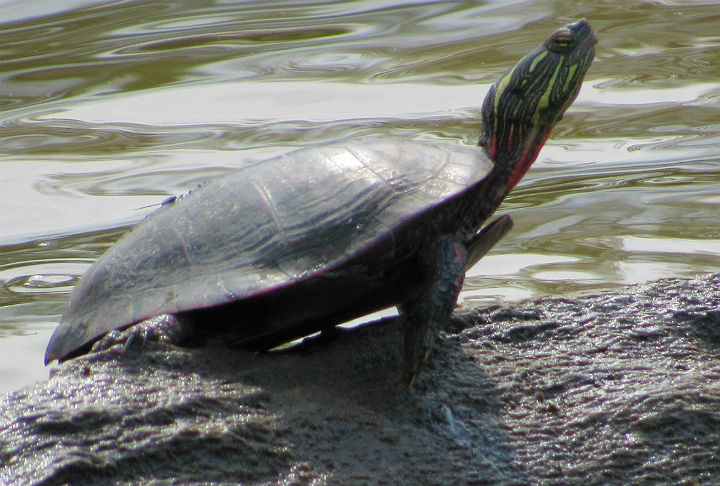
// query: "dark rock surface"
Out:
[614,388]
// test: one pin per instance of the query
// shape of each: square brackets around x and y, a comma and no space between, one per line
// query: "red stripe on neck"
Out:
[528,156]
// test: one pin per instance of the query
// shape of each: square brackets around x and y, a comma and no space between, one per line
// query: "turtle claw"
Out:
[407,379]
[409,376]
[106,342]
[140,338]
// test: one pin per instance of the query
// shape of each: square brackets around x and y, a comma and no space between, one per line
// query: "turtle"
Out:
[301,242]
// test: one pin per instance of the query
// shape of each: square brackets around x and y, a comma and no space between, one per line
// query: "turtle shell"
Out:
[280,248]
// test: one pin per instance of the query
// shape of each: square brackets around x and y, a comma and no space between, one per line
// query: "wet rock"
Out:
[614,388]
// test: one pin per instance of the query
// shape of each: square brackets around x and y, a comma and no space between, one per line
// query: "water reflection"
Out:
[108,108]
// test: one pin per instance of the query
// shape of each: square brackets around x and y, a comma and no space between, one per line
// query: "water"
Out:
[109,108]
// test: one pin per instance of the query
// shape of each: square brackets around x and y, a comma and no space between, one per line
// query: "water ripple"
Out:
[108,108]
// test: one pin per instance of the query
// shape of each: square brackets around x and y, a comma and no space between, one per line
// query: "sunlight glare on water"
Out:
[108,108]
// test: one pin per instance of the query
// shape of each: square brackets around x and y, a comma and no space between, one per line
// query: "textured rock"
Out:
[615,388]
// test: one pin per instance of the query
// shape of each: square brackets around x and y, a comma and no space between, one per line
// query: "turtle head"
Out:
[522,107]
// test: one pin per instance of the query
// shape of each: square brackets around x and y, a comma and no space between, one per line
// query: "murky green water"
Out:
[108,108]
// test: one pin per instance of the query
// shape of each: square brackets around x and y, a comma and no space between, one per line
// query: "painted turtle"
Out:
[307,240]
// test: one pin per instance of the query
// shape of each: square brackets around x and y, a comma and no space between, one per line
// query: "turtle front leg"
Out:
[445,260]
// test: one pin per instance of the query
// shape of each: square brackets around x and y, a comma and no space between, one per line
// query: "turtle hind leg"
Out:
[164,329]
[445,260]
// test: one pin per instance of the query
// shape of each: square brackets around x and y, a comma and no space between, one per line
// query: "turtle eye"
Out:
[562,41]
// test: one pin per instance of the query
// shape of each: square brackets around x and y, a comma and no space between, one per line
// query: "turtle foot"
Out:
[418,340]
[150,332]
